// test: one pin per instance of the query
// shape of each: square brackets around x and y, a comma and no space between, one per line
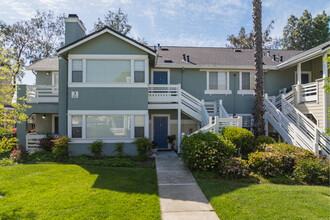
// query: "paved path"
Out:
[180,196]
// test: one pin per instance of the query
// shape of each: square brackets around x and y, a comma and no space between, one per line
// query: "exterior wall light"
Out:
[43,116]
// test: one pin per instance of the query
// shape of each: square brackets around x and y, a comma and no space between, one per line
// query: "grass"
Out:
[234,200]
[61,191]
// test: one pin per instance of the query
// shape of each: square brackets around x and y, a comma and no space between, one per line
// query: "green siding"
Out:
[109,99]
[73,32]
[107,44]
[172,112]
[43,79]
[63,94]
[43,125]
[317,68]
[108,149]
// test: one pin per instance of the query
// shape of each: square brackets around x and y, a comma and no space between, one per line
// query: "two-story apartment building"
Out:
[108,86]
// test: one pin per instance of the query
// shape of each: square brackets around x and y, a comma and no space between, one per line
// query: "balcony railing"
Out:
[309,92]
[42,93]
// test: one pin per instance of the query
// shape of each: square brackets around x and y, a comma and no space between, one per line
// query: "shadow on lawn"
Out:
[128,180]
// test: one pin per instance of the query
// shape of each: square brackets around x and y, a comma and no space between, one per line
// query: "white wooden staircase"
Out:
[294,126]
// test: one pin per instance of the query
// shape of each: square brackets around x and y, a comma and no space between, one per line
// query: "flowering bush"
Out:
[16,155]
[60,149]
[234,168]
[242,138]
[204,151]
[47,143]
[312,171]
[266,163]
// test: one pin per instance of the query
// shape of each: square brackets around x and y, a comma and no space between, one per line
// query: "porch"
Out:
[42,94]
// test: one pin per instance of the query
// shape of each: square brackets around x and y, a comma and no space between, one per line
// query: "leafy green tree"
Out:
[115,20]
[306,32]
[245,40]
[258,109]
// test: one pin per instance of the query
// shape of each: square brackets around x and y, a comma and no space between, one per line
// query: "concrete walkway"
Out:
[180,196]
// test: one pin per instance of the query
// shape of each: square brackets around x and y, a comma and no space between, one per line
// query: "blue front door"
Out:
[161,131]
[160,77]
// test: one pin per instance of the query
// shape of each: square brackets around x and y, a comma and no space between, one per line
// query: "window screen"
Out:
[139,71]
[246,81]
[76,125]
[139,126]
[213,80]
[77,70]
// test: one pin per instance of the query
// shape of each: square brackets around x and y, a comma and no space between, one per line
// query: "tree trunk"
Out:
[258,110]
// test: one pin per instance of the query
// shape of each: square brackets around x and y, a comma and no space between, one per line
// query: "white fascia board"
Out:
[41,69]
[208,67]
[107,57]
[107,112]
[100,33]
[108,85]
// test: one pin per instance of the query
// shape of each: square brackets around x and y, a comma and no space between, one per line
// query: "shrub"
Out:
[47,143]
[7,144]
[242,138]
[261,140]
[142,146]
[234,168]
[96,148]
[119,149]
[312,171]
[5,133]
[41,156]
[18,154]
[60,149]
[204,151]
[265,163]
[6,162]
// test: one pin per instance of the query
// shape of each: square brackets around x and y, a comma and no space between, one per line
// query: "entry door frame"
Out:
[152,125]
[53,122]
[160,70]
[303,72]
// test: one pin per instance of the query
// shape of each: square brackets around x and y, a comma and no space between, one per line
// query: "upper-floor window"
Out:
[246,83]
[77,70]
[108,69]
[217,82]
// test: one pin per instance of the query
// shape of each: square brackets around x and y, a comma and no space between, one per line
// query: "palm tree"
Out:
[258,109]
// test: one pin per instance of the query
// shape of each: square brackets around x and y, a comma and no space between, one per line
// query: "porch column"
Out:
[325,103]
[298,86]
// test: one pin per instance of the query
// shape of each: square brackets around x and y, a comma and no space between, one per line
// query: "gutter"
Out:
[223,67]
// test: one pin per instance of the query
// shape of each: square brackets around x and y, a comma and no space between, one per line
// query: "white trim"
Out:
[104,140]
[107,112]
[100,33]
[107,57]
[168,125]
[108,85]
[84,73]
[161,70]
[75,20]
[146,71]
[305,58]
[184,122]
[303,72]
[53,122]
[69,126]
[214,91]
[206,66]
[244,91]
[83,128]
[70,71]
[53,78]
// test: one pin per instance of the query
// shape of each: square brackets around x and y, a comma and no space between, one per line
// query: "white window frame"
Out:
[245,92]
[53,122]
[131,58]
[161,70]
[214,91]
[53,79]
[303,72]
[85,113]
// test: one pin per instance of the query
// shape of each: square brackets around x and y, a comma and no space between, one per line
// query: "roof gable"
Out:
[100,32]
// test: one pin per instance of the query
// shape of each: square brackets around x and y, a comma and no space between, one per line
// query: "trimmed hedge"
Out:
[312,171]
[242,138]
[261,140]
[234,168]
[204,151]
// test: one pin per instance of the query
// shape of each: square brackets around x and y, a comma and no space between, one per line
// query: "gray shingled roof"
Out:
[218,56]
[47,64]
[306,53]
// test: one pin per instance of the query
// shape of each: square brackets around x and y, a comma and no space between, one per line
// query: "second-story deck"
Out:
[42,94]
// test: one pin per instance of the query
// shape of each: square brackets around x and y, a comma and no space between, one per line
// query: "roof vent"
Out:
[281,58]
[237,50]
[158,46]
[183,57]
[155,48]
[268,53]
[164,49]
[188,58]
[168,61]
[274,57]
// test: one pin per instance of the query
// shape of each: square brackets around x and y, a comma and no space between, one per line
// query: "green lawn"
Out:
[267,201]
[59,191]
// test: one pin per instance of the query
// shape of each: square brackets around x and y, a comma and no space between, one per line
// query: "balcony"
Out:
[42,94]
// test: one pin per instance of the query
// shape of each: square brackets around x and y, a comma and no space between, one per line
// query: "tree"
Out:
[246,41]
[306,32]
[15,113]
[258,109]
[117,21]
[31,40]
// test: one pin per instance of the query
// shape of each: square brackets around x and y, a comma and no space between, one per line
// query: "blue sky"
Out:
[172,22]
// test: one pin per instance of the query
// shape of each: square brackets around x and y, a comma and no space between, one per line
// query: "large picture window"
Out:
[108,126]
[108,71]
